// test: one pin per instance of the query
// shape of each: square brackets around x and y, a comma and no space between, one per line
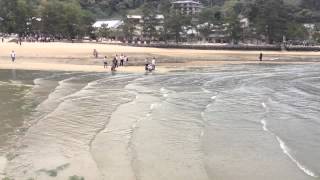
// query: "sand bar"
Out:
[78,57]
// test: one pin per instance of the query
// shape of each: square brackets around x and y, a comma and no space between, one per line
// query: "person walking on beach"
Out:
[117,59]
[260,56]
[114,64]
[146,63]
[121,60]
[2,39]
[153,62]
[95,53]
[13,56]
[105,62]
[126,59]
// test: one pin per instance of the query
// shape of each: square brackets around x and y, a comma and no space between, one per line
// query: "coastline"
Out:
[78,57]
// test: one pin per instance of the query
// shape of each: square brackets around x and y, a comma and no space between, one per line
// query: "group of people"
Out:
[150,65]
[116,61]
[122,60]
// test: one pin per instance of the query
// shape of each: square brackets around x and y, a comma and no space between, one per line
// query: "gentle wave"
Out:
[153,106]
[15,83]
[264,125]
[202,114]
[205,90]
[164,92]
[3,164]
[286,151]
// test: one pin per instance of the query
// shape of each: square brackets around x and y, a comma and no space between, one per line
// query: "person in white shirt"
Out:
[153,62]
[121,60]
[13,56]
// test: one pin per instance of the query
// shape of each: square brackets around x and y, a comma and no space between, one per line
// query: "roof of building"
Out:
[109,23]
[186,2]
[159,16]
[134,16]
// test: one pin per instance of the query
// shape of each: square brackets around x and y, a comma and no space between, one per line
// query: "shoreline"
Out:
[161,68]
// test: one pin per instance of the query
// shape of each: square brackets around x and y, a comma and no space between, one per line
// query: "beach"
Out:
[201,115]
[78,57]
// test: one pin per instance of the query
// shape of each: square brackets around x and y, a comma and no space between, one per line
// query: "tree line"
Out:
[270,20]
[58,18]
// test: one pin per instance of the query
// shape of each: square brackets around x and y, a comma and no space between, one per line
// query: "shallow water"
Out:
[228,122]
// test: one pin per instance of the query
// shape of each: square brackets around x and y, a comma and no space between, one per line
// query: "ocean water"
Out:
[231,122]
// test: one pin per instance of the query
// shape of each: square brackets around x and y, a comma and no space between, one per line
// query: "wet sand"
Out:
[223,122]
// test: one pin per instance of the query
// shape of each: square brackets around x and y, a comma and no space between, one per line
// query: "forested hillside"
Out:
[269,19]
[114,8]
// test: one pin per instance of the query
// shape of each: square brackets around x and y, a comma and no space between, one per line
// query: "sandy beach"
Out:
[78,57]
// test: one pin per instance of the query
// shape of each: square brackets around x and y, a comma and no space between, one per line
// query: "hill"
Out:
[116,8]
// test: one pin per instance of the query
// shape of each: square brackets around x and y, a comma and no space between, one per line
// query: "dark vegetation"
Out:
[270,20]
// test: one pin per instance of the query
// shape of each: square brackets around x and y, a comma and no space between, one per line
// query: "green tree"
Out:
[128,28]
[316,37]
[165,10]
[233,10]
[210,19]
[177,24]
[270,19]
[65,18]
[104,31]
[150,20]
[296,31]
[16,15]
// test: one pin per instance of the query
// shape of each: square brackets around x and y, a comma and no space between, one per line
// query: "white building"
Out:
[187,7]
[113,24]
[138,21]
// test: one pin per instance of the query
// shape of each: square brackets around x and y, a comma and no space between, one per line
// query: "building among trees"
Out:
[187,7]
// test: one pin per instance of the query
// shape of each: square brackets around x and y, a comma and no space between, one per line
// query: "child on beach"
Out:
[13,56]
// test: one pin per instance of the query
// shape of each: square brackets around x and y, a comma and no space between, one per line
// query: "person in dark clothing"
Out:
[260,56]
[146,63]
[114,64]
[121,60]
[126,59]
